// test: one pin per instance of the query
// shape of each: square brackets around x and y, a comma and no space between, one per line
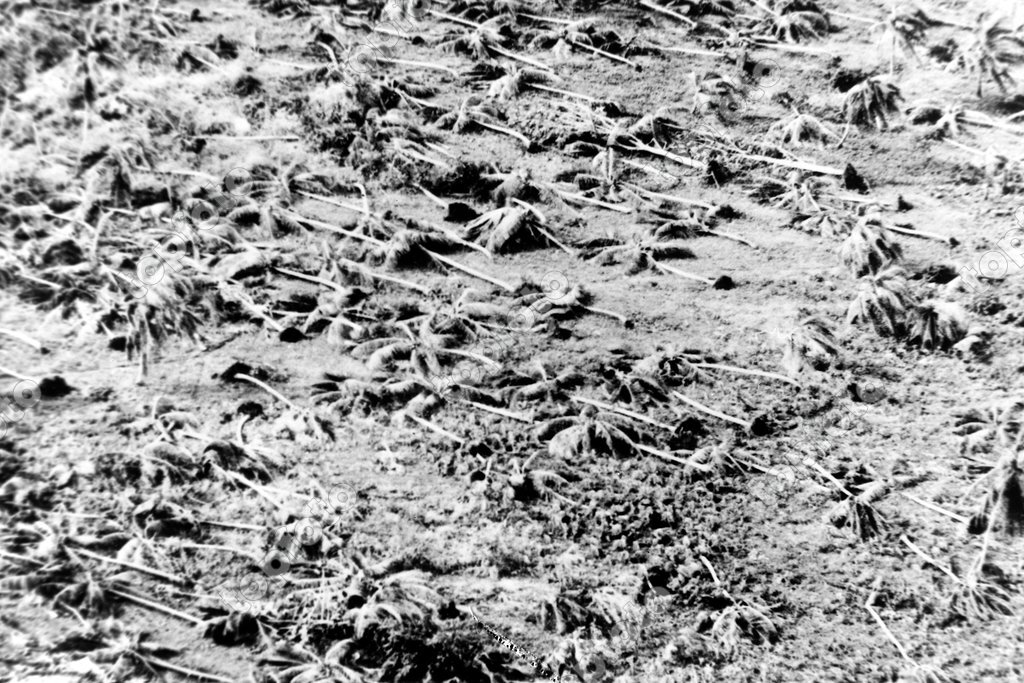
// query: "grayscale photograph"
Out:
[496,341]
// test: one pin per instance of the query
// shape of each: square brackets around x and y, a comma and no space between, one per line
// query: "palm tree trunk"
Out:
[922,234]
[892,55]
[418,65]
[622,411]
[144,351]
[453,19]
[546,20]
[681,273]
[472,272]
[683,50]
[667,12]
[269,389]
[419,156]
[603,53]
[437,429]
[583,199]
[730,236]
[504,131]
[747,371]
[15,374]
[711,411]
[554,240]
[800,165]
[655,151]
[364,271]
[23,338]
[608,314]
[559,91]
[519,58]
[846,131]
[670,198]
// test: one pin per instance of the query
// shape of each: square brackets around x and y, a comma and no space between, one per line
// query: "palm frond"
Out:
[518,79]
[869,102]
[798,128]
[994,49]
[811,345]
[827,222]
[869,248]
[505,229]
[792,24]
[937,325]
[882,301]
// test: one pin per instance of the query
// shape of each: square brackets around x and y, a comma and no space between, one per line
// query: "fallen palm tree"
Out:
[580,35]
[475,111]
[721,282]
[869,248]
[622,411]
[682,50]
[24,339]
[581,198]
[903,30]
[737,617]
[868,104]
[925,673]
[511,227]
[856,510]
[455,212]
[298,421]
[811,345]
[483,41]
[752,372]
[571,302]
[660,9]
[978,598]
[799,128]
[883,301]
[746,424]
[383,245]
[630,143]
[472,272]
[599,432]
[516,80]
[793,163]
[688,226]
[353,266]
[334,68]
[793,23]
[640,254]
[994,49]
[620,138]
[937,325]
[401,239]
[923,234]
